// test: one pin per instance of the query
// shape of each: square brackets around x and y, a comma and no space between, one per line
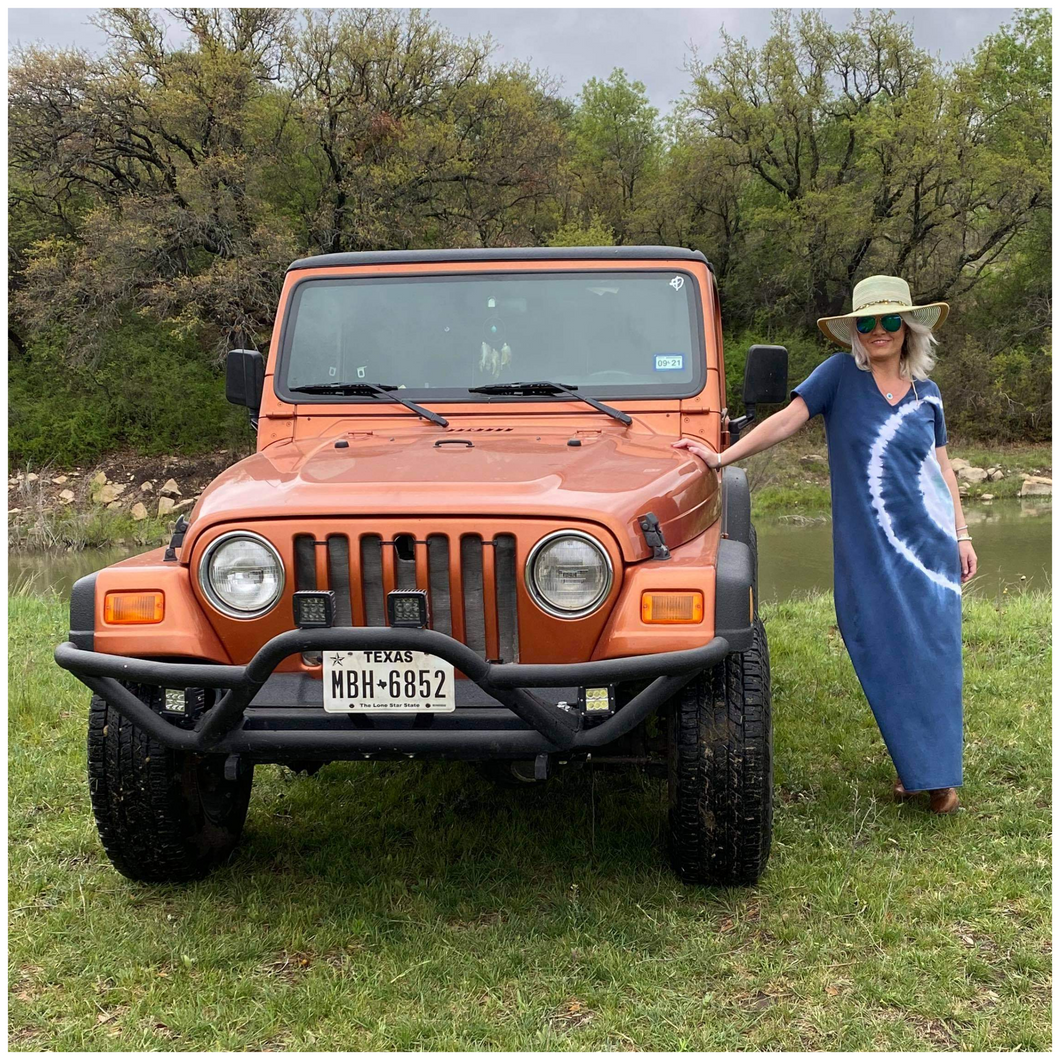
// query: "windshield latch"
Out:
[653,535]
[176,540]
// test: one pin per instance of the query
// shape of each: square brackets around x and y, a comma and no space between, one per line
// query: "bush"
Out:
[147,390]
[999,398]
[804,354]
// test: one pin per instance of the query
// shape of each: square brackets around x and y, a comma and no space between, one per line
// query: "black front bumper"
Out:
[267,718]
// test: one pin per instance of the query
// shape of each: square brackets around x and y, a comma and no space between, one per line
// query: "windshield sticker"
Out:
[677,283]
[669,362]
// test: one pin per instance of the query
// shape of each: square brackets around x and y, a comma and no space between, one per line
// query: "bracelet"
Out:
[967,537]
[960,528]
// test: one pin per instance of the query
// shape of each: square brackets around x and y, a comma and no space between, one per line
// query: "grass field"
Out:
[786,480]
[412,906]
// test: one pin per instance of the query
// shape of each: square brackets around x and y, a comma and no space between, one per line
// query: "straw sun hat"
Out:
[881,296]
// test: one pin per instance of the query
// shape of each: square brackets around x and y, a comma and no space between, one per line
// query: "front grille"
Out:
[470,582]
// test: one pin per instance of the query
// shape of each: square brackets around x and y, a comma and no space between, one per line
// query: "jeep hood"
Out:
[610,477]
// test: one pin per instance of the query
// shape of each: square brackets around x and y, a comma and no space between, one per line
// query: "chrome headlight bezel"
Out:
[536,594]
[207,585]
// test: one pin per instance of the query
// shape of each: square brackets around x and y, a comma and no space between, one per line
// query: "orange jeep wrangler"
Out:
[464,534]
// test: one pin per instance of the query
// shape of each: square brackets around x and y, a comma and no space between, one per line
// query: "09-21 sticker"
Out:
[669,362]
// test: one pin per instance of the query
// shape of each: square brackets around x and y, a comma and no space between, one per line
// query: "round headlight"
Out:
[241,575]
[568,574]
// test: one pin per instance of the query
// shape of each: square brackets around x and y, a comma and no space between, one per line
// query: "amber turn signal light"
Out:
[127,609]
[671,607]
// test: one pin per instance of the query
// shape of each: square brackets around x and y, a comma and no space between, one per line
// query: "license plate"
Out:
[394,682]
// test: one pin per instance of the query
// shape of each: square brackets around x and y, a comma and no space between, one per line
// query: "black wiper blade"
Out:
[341,388]
[382,390]
[544,387]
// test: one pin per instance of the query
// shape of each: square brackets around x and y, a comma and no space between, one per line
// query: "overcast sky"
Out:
[575,44]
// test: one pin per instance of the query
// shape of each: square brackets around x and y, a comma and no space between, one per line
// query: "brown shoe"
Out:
[944,800]
[900,793]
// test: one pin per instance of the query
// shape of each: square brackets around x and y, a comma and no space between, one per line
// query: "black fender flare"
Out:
[735,505]
[734,603]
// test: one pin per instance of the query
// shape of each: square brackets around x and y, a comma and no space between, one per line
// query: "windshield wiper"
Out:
[381,390]
[549,388]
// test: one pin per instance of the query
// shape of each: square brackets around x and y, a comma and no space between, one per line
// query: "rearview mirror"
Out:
[245,380]
[765,376]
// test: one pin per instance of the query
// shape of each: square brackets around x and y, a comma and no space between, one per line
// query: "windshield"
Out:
[618,333]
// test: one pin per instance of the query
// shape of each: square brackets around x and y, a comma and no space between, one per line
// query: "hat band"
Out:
[882,301]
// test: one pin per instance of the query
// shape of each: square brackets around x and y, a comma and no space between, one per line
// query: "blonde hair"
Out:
[917,358]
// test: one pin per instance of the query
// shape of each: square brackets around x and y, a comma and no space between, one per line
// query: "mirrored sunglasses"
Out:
[866,325]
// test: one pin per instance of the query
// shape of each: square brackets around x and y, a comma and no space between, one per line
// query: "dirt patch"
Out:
[570,1016]
[479,923]
[27,985]
[940,1033]
[50,489]
[292,967]
[25,1038]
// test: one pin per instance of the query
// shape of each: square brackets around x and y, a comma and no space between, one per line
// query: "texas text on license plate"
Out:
[393,681]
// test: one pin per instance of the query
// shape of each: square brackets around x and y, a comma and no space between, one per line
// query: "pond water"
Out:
[1013,541]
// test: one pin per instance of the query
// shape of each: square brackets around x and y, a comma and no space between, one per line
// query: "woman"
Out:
[900,542]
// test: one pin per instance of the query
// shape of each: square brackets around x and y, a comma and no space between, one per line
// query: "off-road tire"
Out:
[162,815]
[720,770]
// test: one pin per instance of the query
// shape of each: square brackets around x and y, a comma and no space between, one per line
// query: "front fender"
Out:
[184,631]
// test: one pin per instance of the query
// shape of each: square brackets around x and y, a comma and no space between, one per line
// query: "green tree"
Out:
[867,158]
[617,147]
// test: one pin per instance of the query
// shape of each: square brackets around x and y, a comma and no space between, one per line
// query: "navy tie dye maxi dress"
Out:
[897,566]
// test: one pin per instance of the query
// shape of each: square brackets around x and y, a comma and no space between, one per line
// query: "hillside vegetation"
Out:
[158,194]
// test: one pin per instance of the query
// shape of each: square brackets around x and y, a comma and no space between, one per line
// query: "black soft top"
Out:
[413,257]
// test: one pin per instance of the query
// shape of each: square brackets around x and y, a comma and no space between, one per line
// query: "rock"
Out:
[114,505]
[13,511]
[170,489]
[100,479]
[993,474]
[139,511]
[181,505]
[165,504]
[972,474]
[58,480]
[812,458]
[957,463]
[31,477]
[110,492]
[962,489]
[66,497]
[987,497]
[1036,486]
[146,487]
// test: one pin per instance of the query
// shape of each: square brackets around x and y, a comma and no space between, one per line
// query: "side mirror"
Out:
[245,380]
[765,377]
[765,382]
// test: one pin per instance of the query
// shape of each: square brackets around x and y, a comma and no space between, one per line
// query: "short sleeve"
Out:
[940,422]
[819,388]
